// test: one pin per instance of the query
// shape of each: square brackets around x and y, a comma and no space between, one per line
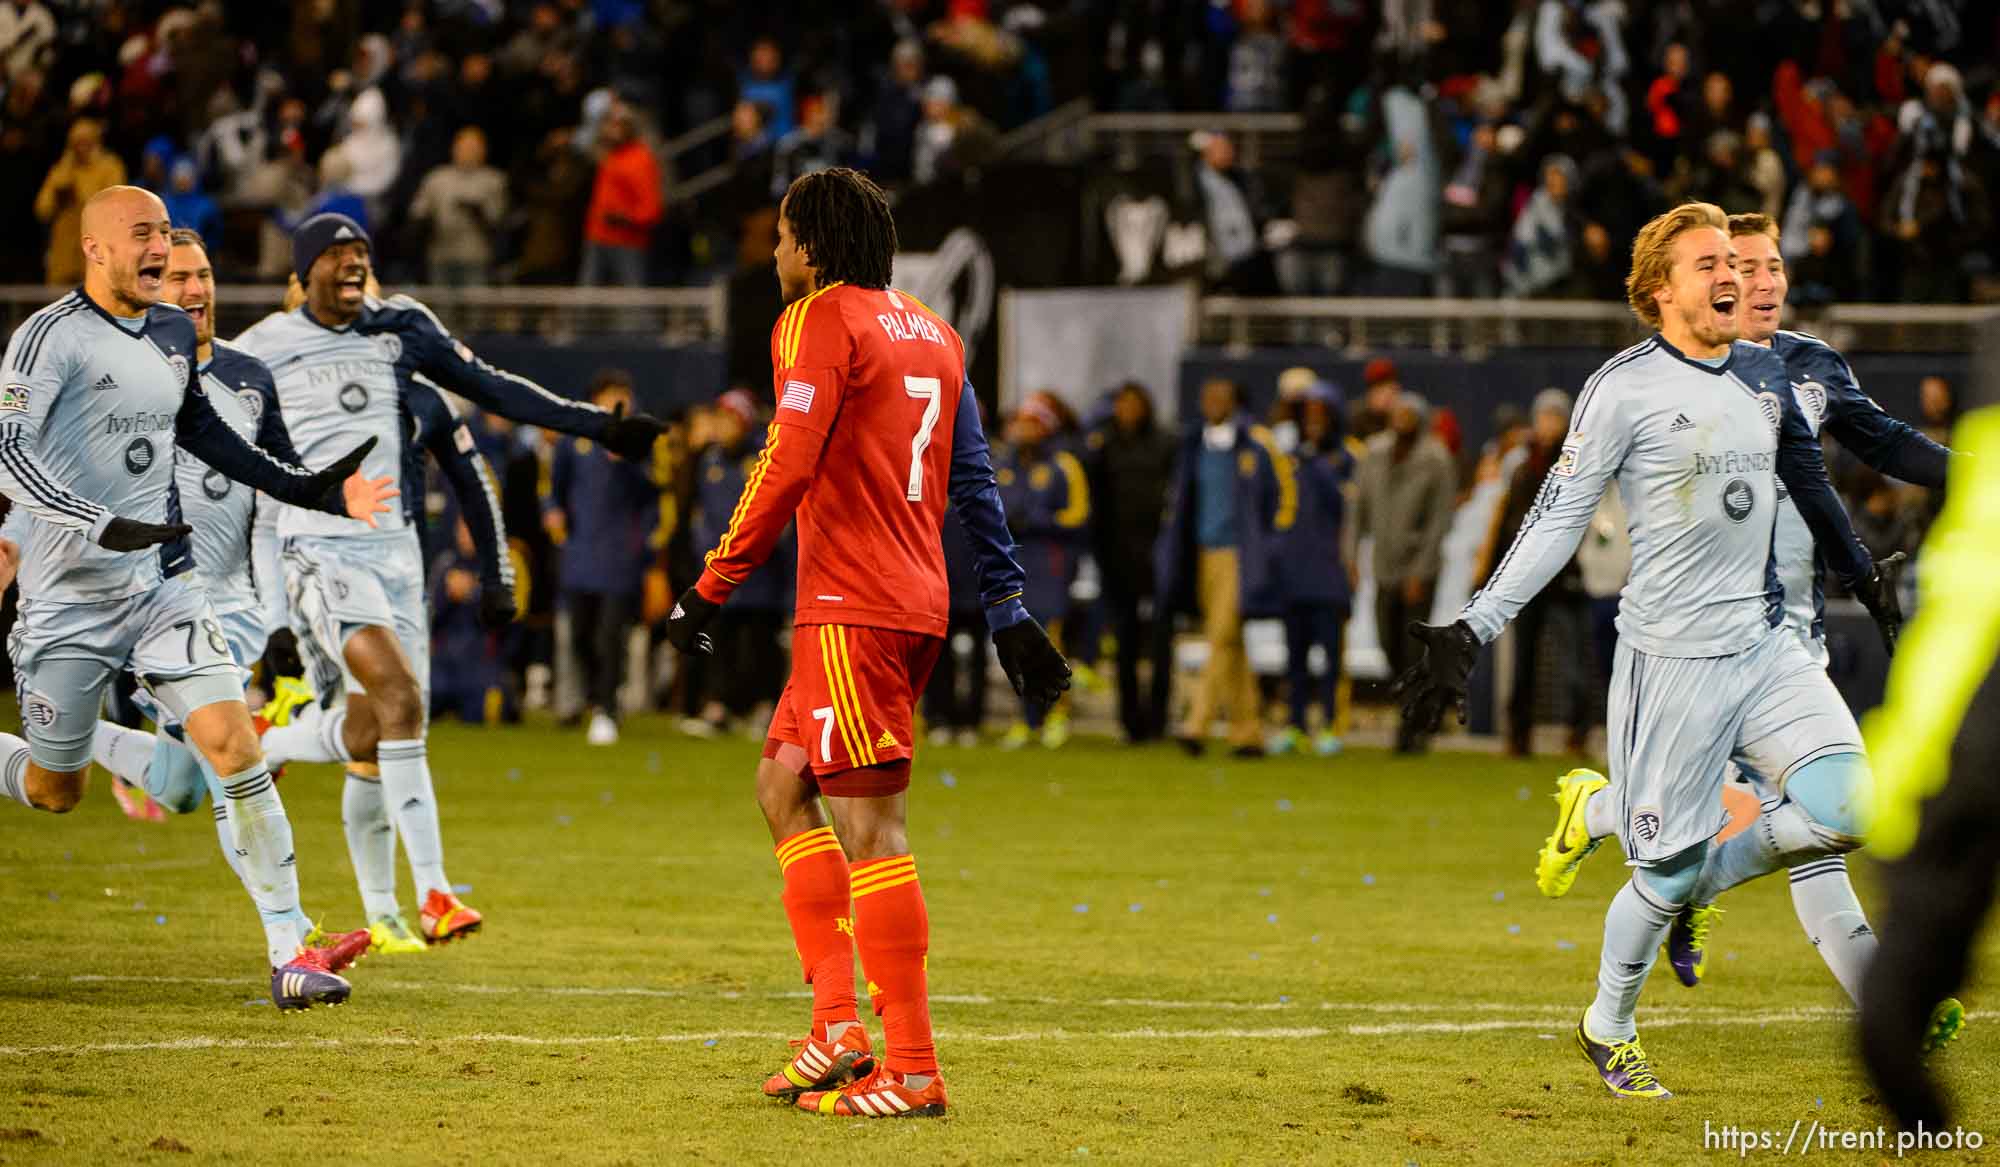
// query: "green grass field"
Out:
[1137,957]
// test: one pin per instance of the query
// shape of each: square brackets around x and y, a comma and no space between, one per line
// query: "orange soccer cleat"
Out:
[342,949]
[883,1094]
[444,919]
[821,1064]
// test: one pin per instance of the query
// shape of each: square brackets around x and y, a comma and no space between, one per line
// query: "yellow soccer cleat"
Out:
[1946,1023]
[289,695]
[389,936]
[1563,854]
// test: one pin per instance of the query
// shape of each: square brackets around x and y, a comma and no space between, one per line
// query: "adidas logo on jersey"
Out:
[887,741]
[1681,422]
[105,382]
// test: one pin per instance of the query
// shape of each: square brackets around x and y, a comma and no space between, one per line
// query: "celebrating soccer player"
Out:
[1787,835]
[98,476]
[1699,430]
[863,377]
[346,362]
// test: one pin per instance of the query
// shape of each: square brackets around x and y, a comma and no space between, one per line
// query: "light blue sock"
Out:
[406,788]
[174,778]
[14,769]
[262,841]
[1636,923]
[371,844]
[1817,818]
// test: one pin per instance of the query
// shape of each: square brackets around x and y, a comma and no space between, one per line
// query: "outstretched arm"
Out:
[451,444]
[1878,438]
[202,431]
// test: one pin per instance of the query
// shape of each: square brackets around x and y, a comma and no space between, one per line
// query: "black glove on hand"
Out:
[631,437]
[691,613]
[1033,666]
[496,606]
[1879,596]
[329,485]
[1437,681]
[132,535]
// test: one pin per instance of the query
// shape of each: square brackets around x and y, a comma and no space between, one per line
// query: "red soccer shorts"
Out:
[844,721]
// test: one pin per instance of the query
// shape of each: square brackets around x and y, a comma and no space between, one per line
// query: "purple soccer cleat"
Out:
[1622,1065]
[1687,942]
[307,981]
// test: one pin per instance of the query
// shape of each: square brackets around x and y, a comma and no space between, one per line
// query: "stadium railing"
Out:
[1071,132]
[1474,326]
[672,316]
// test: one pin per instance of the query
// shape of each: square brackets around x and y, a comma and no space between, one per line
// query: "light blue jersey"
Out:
[1693,449]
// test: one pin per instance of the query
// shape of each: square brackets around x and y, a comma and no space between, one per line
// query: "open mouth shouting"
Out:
[151,274]
[353,282]
[1723,304]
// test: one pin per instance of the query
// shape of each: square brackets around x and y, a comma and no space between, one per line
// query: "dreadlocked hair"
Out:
[841,219]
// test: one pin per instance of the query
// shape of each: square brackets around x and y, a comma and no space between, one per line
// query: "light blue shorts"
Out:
[65,654]
[243,630]
[339,585]
[1676,723]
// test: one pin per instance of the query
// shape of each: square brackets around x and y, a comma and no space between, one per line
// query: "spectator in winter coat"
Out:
[464,203]
[84,168]
[1233,492]
[1405,491]
[625,205]
[1317,598]
[1047,498]
[1131,462]
[602,510]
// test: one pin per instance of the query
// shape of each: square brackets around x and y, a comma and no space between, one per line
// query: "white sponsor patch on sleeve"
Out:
[797,395]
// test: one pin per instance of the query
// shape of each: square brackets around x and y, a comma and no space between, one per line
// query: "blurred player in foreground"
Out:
[1936,739]
[1786,834]
[863,376]
[106,579]
[1699,430]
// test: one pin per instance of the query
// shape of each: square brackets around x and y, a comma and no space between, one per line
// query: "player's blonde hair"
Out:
[1653,254]
[1754,223]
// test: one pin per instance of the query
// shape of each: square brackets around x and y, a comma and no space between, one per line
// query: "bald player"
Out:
[98,392]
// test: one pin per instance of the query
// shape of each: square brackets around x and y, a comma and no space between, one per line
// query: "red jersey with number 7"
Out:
[867,385]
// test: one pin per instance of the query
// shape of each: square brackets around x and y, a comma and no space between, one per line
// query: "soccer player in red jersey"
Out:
[875,429]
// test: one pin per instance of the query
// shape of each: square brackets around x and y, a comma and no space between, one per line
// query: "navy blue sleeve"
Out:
[975,499]
[1802,467]
[252,374]
[450,443]
[201,431]
[444,359]
[1886,443]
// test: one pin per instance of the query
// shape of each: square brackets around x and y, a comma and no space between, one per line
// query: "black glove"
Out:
[1437,681]
[691,613]
[1878,595]
[631,437]
[281,655]
[132,535]
[329,485]
[1033,666]
[496,606]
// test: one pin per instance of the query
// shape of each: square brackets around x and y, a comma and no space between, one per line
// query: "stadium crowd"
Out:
[1128,530]
[1450,146]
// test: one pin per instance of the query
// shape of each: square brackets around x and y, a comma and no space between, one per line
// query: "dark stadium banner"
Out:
[1142,226]
[1013,226]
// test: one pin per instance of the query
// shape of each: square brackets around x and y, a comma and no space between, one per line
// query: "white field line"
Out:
[1518,1013]
[1296,1033]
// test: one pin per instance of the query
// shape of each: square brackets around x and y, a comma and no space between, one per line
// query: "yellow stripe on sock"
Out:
[804,839]
[829,847]
[853,694]
[881,876]
[840,717]
[884,885]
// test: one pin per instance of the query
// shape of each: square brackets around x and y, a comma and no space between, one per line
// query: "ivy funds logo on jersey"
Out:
[139,456]
[1738,500]
[353,397]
